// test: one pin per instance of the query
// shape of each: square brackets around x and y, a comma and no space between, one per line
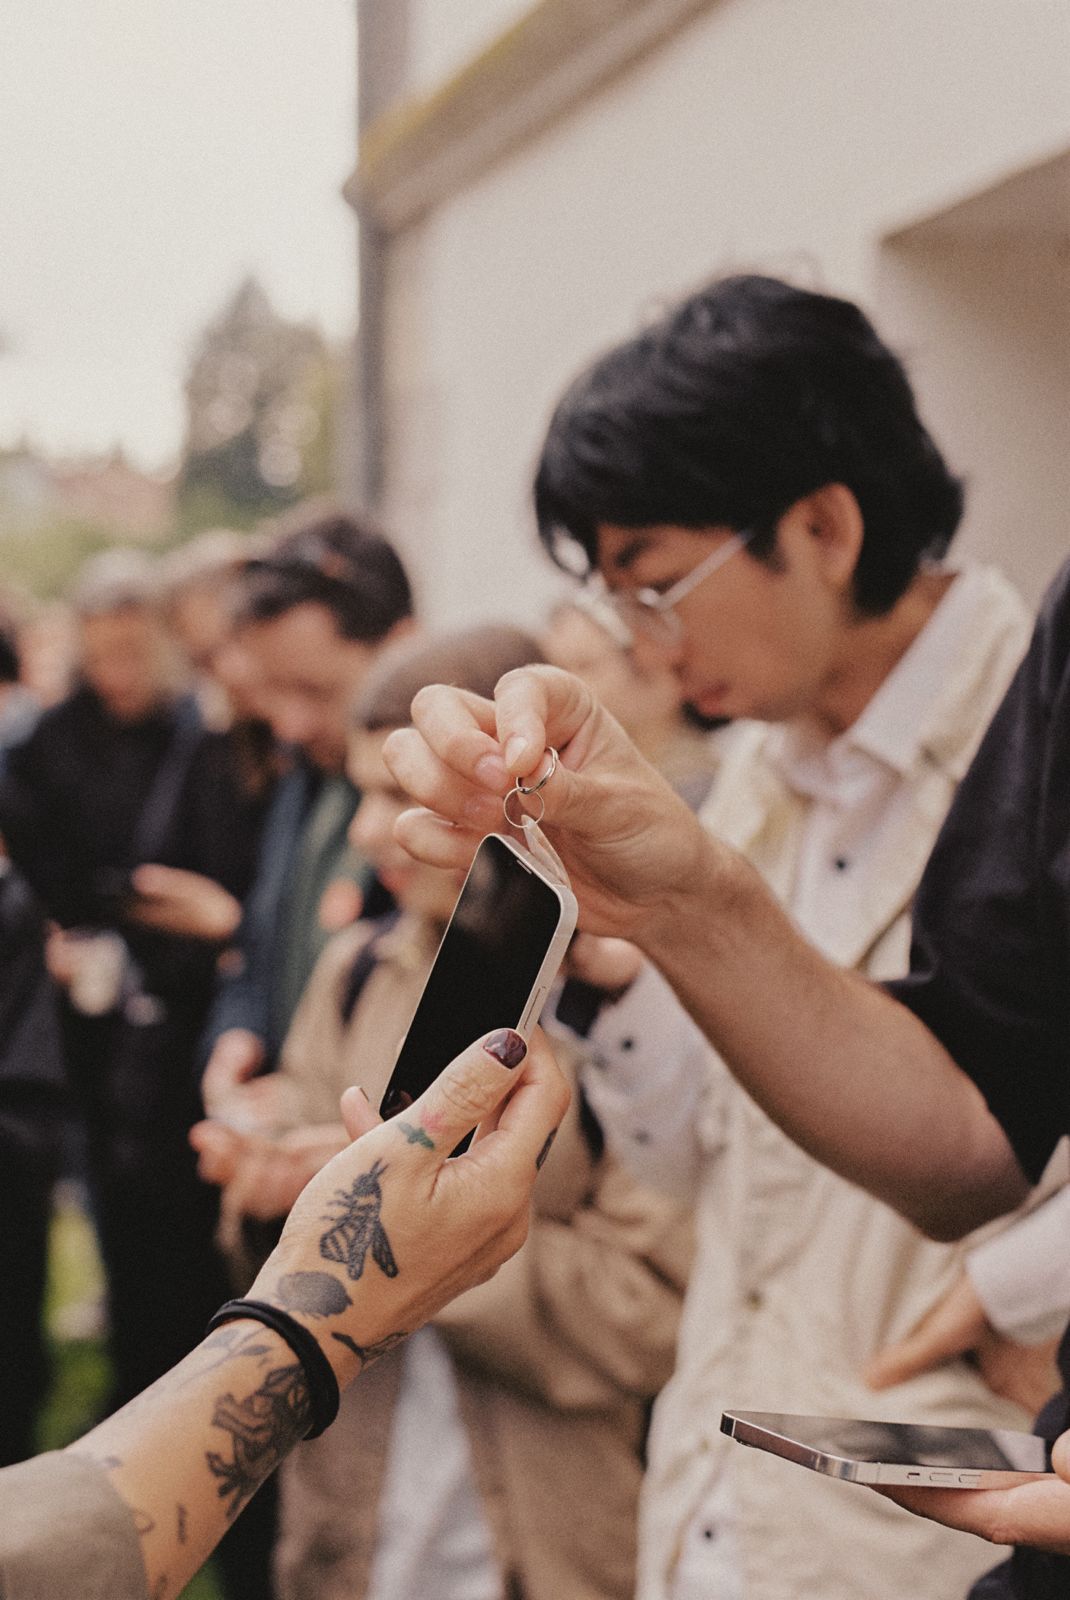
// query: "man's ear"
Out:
[831,520]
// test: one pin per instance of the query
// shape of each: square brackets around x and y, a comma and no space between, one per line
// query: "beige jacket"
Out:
[799,1276]
[557,1357]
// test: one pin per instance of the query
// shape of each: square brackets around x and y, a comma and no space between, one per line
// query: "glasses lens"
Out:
[642,620]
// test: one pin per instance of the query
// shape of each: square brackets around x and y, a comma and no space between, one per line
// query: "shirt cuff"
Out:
[1022,1276]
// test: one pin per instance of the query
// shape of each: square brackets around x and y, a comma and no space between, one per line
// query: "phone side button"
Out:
[534,1011]
[937,1477]
[969,1480]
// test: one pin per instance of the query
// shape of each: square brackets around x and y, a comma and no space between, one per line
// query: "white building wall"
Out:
[787,135]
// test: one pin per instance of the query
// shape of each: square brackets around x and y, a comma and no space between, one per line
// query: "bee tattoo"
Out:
[356,1227]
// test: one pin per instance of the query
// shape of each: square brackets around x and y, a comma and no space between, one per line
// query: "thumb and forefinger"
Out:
[498,1084]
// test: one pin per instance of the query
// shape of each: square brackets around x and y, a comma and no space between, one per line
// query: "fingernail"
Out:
[506,1046]
[491,771]
[514,749]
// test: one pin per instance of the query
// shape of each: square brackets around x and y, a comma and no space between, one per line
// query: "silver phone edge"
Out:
[873,1474]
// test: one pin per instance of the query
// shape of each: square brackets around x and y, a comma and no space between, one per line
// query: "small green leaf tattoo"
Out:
[416,1135]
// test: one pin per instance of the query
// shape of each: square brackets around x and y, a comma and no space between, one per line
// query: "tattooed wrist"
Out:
[367,1353]
[315,1294]
[262,1428]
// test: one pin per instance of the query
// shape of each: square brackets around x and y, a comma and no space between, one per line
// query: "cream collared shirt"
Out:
[801,1277]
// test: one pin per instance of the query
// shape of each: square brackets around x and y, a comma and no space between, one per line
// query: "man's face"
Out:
[427,891]
[755,640]
[123,660]
[307,677]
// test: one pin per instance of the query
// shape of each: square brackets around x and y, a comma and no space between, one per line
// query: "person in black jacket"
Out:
[31,1101]
[120,813]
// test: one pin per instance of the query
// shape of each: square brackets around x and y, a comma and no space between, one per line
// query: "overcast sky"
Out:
[152,152]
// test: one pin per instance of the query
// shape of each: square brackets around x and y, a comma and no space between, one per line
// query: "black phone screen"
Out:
[484,971]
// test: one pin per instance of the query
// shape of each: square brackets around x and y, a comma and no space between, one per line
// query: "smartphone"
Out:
[499,955]
[899,1453]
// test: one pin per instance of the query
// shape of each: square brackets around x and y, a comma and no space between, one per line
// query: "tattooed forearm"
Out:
[415,1135]
[180,1523]
[262,1428]
[367,1353]
[225,1344]
[356,1227]
[317,1294]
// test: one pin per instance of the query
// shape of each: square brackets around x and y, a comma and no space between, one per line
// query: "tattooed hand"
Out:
[381,1238]
[391,1229]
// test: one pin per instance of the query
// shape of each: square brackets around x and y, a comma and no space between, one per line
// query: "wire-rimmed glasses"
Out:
[627,613]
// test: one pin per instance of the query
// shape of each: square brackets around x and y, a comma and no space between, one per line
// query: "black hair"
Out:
[332,560]
[738,402]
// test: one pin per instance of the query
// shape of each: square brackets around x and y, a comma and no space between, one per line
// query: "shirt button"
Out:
[754,1300]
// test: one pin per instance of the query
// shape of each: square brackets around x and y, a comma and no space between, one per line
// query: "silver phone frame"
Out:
[555,950]
[746,1427]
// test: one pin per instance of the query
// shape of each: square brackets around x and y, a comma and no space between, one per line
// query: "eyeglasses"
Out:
[626,613]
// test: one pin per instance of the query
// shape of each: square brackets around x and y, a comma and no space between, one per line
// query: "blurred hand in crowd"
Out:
[186,904]
[263,1177]
[230,1091]
[957,1326]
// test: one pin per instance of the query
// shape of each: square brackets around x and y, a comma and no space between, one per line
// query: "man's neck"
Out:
[872,648]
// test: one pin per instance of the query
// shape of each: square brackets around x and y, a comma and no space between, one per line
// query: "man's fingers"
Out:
[536,707]
[473,801]
[1036,1514]
[459,728]
[439,843]
[358,1113]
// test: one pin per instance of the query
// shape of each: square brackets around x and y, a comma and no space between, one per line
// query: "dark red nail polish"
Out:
[506,1046]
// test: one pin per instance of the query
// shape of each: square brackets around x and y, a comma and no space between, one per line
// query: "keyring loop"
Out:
[533,788]
[517,793]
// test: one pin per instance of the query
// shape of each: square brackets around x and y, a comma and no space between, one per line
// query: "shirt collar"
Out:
[893,728]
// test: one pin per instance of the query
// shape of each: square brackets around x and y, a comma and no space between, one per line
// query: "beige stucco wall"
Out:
[791,135]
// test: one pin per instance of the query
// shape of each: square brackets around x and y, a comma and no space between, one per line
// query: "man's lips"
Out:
[712,701]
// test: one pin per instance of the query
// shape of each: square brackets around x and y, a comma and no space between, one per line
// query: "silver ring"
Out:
[533,788]
[517,793]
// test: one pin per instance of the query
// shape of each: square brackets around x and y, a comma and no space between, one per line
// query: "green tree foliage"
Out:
[260,402]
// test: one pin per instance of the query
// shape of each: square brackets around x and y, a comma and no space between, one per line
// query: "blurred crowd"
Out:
[210,930]
[216,934]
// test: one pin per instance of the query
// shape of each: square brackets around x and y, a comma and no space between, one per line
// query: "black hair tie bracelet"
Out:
[323,1396]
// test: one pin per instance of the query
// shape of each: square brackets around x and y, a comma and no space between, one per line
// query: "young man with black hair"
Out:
[751,480]
[312,613]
